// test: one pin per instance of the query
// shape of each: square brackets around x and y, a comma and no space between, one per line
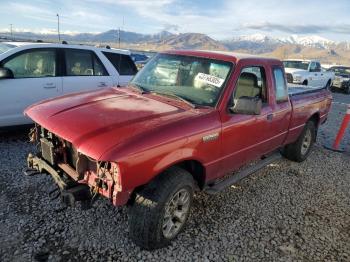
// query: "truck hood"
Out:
[97,121]
[295,71]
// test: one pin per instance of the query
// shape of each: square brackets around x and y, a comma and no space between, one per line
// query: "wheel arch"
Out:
[192,166]
[315,118]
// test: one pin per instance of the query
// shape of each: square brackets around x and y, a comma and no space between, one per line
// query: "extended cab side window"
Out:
[33,64]
[83,63]
[122,63]
[318,67]
[251,83]
[281,90]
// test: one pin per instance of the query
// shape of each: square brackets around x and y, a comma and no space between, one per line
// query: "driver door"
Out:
[245,137]
[315,75]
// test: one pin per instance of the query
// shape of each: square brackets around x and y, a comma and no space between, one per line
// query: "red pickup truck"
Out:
[186,121]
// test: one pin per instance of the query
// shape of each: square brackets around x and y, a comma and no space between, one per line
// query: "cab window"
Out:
[251,83]
[281,92]
[314,67]
[33,64]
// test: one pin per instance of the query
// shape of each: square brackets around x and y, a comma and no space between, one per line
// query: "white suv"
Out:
[30,72]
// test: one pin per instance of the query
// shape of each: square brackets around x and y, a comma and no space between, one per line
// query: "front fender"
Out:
[180,155]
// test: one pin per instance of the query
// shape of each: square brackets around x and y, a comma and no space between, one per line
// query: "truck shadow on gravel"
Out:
[15,133]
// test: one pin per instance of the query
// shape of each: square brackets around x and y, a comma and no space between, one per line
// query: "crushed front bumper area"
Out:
[70,191]
[72,188]
[37,165]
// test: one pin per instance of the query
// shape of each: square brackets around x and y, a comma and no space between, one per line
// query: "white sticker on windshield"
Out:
[209,79]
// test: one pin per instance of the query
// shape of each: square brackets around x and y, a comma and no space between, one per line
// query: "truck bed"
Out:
[301,89]
[308,101]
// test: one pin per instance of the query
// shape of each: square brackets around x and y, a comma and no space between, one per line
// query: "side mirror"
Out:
[5,73]
[247,106]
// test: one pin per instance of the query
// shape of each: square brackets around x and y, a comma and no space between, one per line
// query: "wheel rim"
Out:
[176,211]
[306,142]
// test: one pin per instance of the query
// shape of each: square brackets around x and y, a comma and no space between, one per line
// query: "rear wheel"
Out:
[161,209]
[347,89]
[300,149]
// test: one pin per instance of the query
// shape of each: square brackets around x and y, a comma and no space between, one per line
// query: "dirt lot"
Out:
[285,212]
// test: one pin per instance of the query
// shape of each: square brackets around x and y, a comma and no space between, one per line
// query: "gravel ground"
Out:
[286,212]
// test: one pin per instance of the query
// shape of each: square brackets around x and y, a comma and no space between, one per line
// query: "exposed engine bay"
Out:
[76,175]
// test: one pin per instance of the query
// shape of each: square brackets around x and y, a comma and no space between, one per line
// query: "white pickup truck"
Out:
[31,72]
[307,72]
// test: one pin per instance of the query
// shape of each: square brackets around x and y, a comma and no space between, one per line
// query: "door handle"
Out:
[269,117]
[102,84]
[49,86]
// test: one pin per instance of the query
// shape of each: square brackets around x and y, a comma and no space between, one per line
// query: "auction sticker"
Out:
[209,79]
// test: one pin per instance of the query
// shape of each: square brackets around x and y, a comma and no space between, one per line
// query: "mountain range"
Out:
[296,46]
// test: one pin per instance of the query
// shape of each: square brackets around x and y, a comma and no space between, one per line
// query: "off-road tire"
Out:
[294,151]
[146,213]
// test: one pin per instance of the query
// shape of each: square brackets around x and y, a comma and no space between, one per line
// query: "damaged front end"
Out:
[78,177]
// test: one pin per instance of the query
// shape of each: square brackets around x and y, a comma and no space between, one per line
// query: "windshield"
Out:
[4,47]
[340,70]
[304,65]
[197,80]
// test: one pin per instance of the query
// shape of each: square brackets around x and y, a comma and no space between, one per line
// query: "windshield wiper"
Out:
[141,88]
[172,95]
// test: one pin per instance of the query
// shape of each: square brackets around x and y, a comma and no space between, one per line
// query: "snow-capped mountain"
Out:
[312,40]
[259,38]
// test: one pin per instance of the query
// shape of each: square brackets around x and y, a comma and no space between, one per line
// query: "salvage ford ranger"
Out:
[184,123]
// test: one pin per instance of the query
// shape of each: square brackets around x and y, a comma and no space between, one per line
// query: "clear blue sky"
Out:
[220,19]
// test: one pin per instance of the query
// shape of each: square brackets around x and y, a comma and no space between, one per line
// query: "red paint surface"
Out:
[145,134]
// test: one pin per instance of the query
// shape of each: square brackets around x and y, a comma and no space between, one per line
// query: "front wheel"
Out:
[161,209]
[300,149]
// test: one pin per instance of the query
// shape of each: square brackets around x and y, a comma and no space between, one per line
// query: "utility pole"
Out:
[119,37]
[58,28]
[11,32]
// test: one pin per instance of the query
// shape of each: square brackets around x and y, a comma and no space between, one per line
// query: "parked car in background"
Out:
[307,72]
[30,72]
[140,59]
[185,121]
[342,78]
